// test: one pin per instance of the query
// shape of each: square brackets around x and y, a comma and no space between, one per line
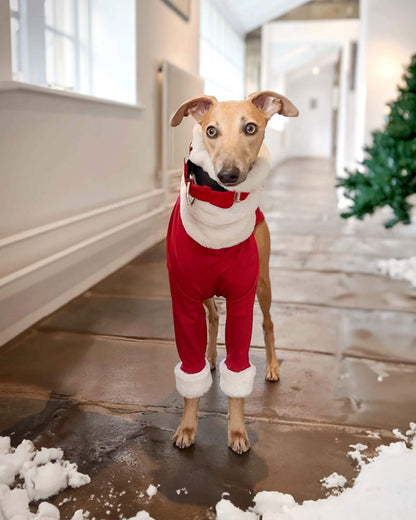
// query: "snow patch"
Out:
[397,433]
[141,515]
[43,473]
[227,511]
[404,269]
[373,435]
[151,491]
[334,481]
[356,454]
[384,489]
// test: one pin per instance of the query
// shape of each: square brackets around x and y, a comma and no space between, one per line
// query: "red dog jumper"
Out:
[197,273]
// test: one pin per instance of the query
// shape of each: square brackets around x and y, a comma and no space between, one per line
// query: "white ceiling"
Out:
[246,15]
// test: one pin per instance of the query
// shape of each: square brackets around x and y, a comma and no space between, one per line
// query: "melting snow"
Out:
[384,489]
[334,481]
[151,491]
[141,515]
[27,474]
[404,269]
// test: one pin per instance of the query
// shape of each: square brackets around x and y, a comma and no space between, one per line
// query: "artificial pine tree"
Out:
[388,176]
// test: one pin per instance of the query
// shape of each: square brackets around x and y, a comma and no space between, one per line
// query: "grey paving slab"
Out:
[89,368]
[384,335]
[120,316]
[15,409]
[387,247]
[342,290]
[156,253]
[316,387]
[147,280]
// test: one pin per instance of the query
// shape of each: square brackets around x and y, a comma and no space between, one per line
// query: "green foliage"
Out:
[387,176]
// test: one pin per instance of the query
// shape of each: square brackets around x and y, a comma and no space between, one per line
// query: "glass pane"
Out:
[14,5]
[50,58]
[15,44]
[221,55]
[60,14]
[60,61]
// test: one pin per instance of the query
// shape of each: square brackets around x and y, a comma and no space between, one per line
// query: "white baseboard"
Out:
[41,288]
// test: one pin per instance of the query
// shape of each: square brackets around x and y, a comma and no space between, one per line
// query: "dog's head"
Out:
[233,131]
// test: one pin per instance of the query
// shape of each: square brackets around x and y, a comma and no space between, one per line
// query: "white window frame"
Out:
[31,49]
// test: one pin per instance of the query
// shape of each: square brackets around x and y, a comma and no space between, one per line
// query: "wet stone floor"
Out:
[96,376]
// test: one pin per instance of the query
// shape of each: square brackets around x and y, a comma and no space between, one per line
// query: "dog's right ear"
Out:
[195,107]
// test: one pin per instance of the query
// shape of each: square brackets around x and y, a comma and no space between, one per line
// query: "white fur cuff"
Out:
[237,384]
[193,385]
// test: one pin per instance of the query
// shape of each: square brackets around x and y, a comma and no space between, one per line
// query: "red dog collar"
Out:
[221,199]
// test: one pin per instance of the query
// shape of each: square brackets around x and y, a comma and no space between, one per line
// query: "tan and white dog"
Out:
[228,145]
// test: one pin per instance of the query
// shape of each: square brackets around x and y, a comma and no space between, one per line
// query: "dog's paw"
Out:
[272,372]
[184,437]
[238,441]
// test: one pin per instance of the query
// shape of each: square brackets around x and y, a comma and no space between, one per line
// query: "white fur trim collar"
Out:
[237,384]
[193,385]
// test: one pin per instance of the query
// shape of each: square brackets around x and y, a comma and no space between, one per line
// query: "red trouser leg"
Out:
[236,373]
[238,329]
[190,329]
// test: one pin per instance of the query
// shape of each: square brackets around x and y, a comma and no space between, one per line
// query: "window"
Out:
[222,55]
[15,36]
[83,46]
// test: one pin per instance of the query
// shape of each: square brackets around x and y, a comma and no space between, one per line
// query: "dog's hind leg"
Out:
[264,296]
[212,332]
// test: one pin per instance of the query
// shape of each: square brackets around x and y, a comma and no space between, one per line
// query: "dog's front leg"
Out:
[237,433]
[185,433]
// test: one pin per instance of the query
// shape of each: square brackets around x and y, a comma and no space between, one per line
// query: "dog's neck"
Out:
[215,227]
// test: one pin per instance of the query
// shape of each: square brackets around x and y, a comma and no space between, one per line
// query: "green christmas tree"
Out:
[388,173]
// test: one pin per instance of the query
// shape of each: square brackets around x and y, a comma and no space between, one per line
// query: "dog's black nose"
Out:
[229,176]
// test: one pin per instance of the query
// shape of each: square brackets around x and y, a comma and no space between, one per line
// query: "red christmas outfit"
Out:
[197,273]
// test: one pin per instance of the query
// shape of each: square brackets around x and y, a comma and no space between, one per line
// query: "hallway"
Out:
[96,377]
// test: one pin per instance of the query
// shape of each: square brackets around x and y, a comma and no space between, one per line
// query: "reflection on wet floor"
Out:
[96,377]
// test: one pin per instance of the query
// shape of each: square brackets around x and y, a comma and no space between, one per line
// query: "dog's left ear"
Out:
[271,103]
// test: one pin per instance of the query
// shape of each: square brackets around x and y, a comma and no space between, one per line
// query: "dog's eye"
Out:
[250,129]
[212,132]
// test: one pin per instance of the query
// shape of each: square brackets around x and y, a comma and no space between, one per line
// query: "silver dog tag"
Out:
[189,198]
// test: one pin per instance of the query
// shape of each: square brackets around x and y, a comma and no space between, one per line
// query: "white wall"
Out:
[310,134]
[309,35]
[389,40]
[79,189]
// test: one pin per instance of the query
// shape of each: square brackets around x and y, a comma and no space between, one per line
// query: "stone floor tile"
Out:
[354,290]
[15,409]
[90,368]
[383,335]
[119,316]
[157,253]
[147,280]
[364,245]
[325,388]
[297,327]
